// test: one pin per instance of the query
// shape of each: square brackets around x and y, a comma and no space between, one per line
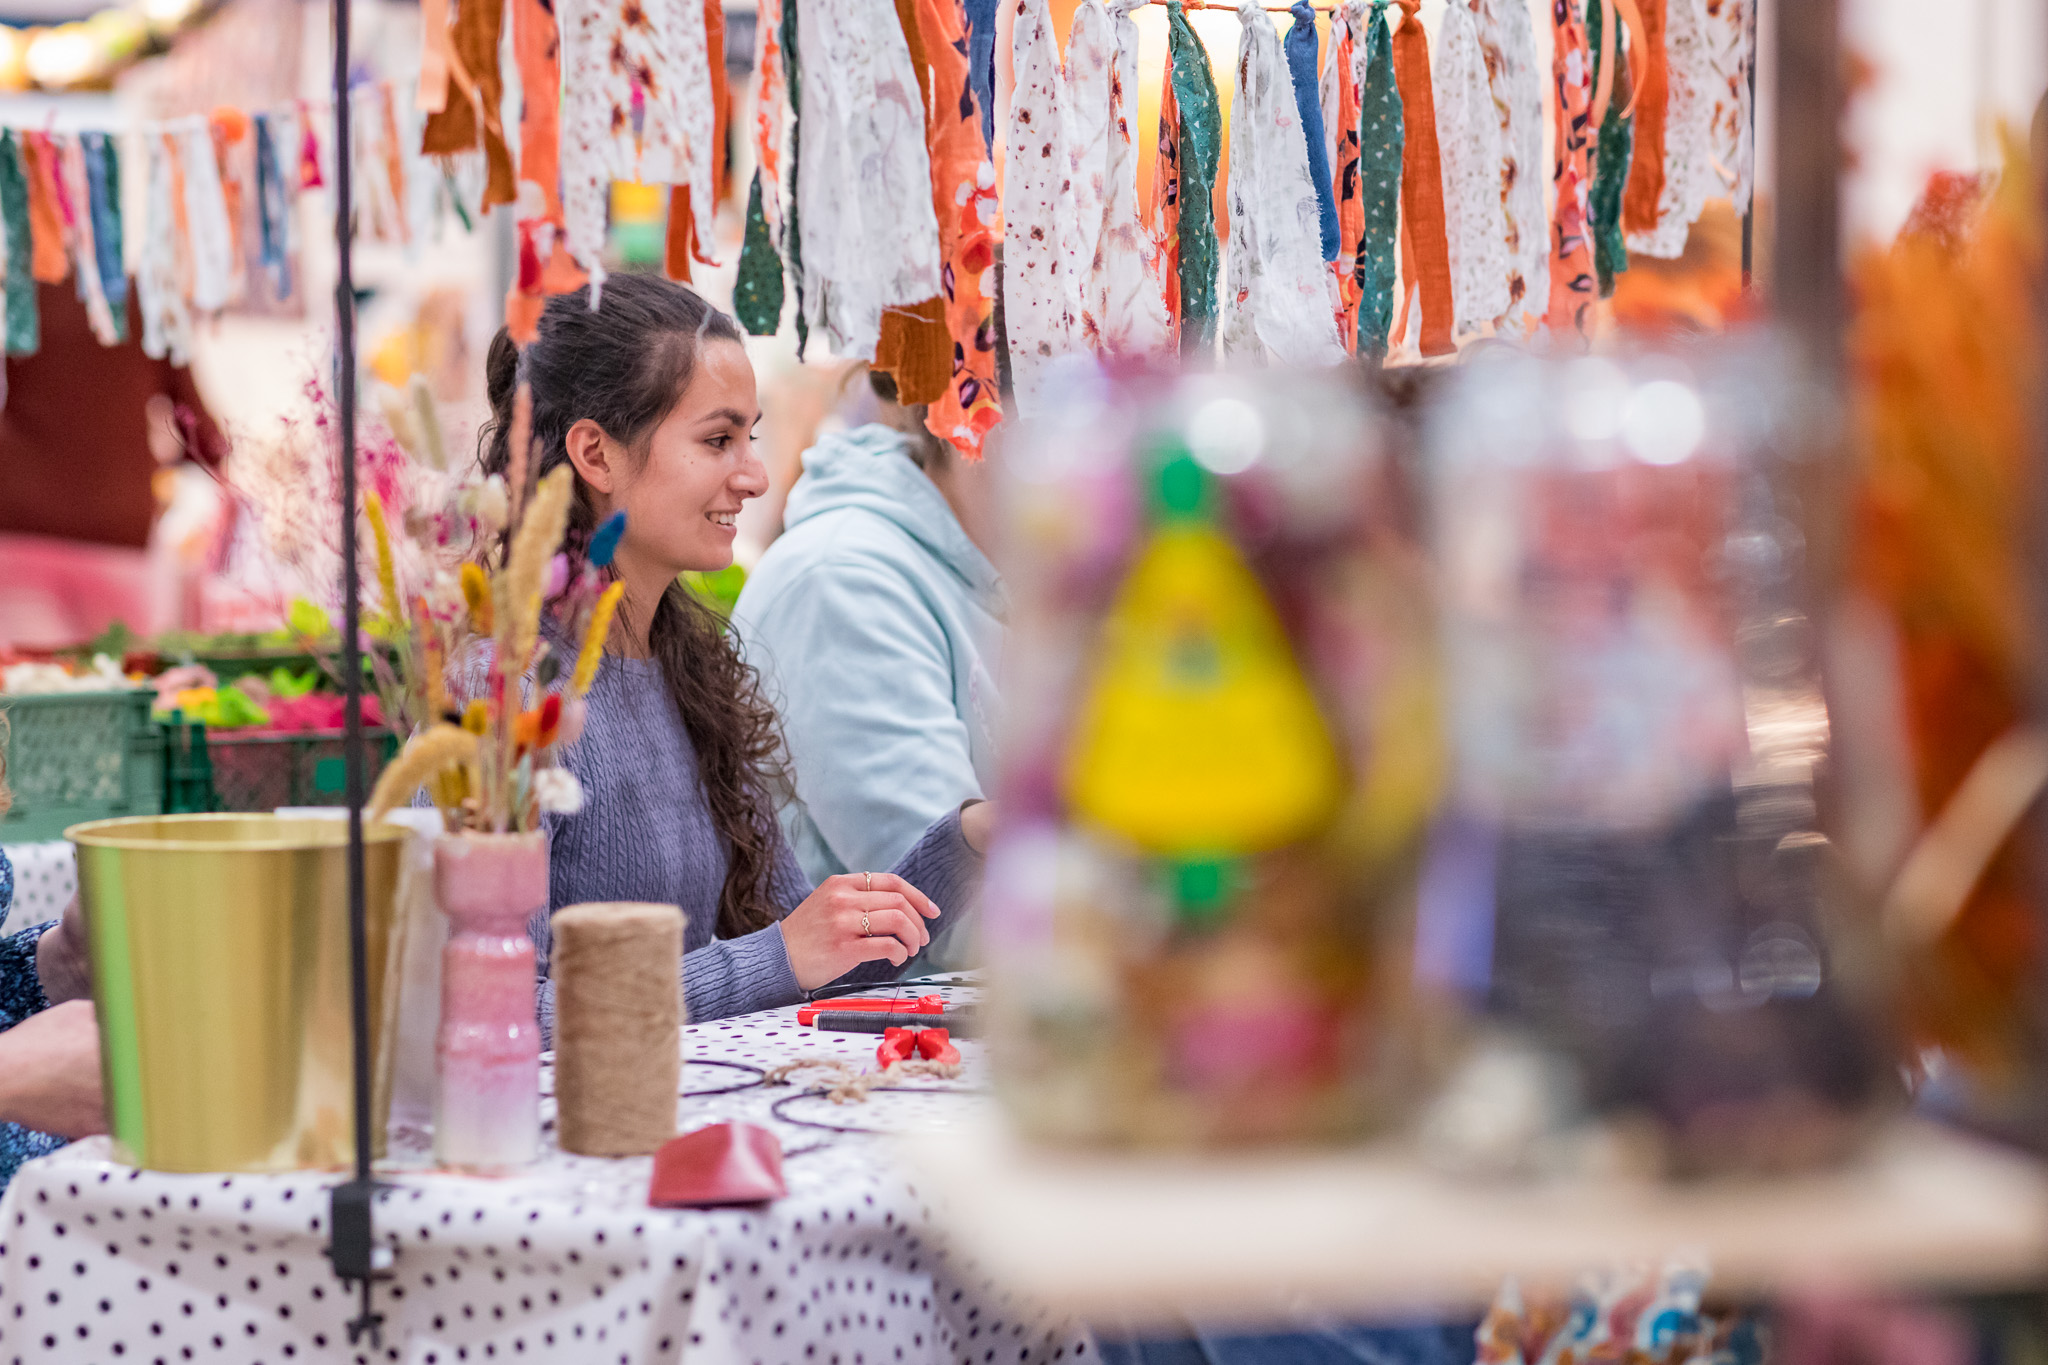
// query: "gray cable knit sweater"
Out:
[645,834]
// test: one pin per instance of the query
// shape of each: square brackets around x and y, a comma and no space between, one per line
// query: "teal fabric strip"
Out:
[757,293]
[24,322]
[1610,167]
[1382,140]
[1201,149]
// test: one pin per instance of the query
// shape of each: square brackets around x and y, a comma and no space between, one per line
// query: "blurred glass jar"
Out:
[1221,754]
[1633,887]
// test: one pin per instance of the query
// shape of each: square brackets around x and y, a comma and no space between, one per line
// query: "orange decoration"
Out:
[1425,241]
[1653,88]
[49,262]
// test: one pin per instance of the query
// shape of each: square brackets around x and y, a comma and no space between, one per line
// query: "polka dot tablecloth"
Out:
[563,1262]
[45,879]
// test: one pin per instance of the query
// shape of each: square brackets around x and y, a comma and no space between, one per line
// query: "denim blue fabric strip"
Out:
[272,208]
[1301,66]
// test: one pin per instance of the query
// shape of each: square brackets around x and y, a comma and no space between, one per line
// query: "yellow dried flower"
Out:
[425,755]
[476,717]
[387,569]
[476,592]
[533,545]
[593,640]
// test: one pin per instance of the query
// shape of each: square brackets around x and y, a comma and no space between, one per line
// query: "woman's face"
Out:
[681,504]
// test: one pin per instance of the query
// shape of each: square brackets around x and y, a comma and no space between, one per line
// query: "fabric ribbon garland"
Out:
[1166,200]
[1198,150]
[85,250]
[1468,139]
[1381,140]
[1507,41]
[1645,187]
[103,187]
[272,208]
[758,290]
[462,123]
[915,348]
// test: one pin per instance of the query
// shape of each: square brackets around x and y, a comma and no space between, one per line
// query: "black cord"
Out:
[775,1110]
[760,1077]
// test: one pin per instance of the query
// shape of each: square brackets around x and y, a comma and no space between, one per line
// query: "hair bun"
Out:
[501,373]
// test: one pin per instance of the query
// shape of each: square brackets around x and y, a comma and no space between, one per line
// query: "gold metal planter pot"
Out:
[221,975]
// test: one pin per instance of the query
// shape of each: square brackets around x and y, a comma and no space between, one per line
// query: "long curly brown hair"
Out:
[624,366]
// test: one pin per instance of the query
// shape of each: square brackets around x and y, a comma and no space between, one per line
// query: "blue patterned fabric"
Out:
[103,188]
[21,994]
[1450,1342]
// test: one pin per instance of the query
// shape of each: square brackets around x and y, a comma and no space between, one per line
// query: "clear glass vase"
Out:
[487,1053]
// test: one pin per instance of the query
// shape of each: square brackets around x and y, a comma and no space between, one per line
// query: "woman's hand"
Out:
[50,1072]
[852,919]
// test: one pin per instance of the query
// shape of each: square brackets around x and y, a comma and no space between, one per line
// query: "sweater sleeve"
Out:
[947,869]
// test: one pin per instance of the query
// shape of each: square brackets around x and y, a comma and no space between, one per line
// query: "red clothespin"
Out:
[924,1004]
[934,1045]
[898,1045]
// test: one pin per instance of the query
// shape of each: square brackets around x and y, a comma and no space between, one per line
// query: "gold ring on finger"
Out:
[865,932]
[869,883]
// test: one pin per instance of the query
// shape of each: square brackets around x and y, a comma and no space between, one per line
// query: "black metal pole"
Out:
[352,1250]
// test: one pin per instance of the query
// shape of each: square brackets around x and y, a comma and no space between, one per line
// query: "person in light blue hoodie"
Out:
[876,622]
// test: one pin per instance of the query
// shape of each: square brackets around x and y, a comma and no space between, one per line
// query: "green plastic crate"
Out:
[74,756]
[260,772]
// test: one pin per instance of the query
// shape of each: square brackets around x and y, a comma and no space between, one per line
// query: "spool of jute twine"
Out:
[618,1016]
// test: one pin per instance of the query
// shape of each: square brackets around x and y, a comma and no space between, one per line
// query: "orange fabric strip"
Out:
[431,96]
[454,129]
[721,105]
[681,242]
[49,262]
[1653,86]
[536,46]
[1166,196]
[1428,257]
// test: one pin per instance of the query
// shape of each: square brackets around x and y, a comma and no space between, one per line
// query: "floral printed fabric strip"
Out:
[1166,199]
[24,319]
[1689,178]
[166,315]
[864,184]
[1041,271]
[1340,82]
[1124,305]
[1573,286]
[1468,141]
[964,200]
[1731,41]
[636,105]
[1507,41]
[1615,149]
[1280,304]
[1199,147]
[1381,140]
[1090,70]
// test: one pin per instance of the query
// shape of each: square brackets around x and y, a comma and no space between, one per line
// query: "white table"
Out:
[564,1262]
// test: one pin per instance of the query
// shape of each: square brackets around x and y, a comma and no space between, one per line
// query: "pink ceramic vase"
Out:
[487,1106]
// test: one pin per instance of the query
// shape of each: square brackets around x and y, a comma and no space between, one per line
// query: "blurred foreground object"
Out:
[1946,363]
[1220,765]
[1639,727]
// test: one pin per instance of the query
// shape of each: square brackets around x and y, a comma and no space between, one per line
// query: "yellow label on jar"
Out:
[1199,735]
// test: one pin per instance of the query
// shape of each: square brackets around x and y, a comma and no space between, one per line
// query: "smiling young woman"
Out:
[651,399]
